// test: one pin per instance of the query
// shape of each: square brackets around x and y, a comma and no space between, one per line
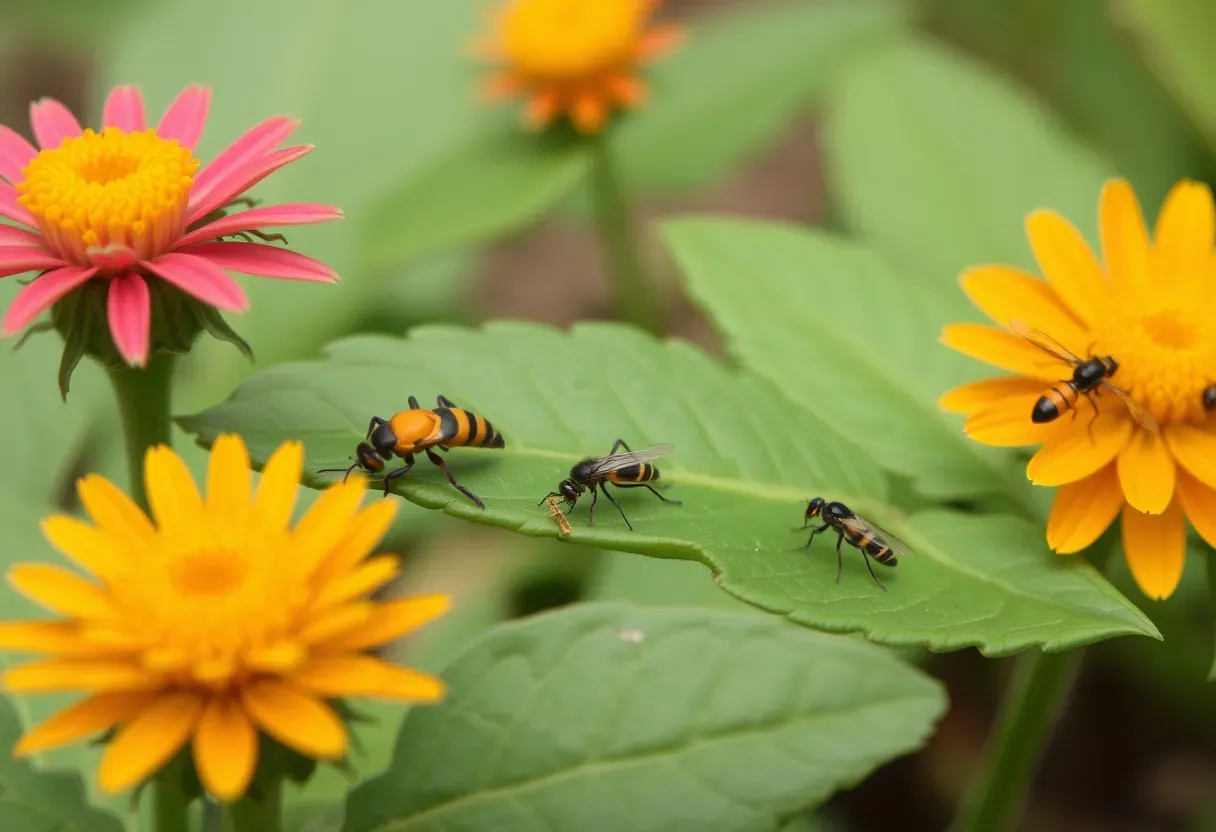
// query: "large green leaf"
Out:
[936,159]
[741,79]
[1176,40]
[849,338]
[746,460]
[623,718]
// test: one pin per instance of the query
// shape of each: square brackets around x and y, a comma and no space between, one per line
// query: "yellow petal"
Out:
[225,749]
[1155,547]
[58,638]
[1186,232]
[362,535]
[1124,238]
[97,675]
[324,525]
[149,740]
[277,488]
[1194,446]
[1081,452]
[1082,510]
[91,548]
[295,718]
[407,685]
[229,485]
[1009,425]
[1199,503]
[337,677]
[61,591]
[1002,349]
[326,625]
[76,722]
[1146,472]
[588,112]
[279,657]
[1069,265]
[113,512]
[1004,294]
[172,494]
[989,393]
[368,576]
[388,622]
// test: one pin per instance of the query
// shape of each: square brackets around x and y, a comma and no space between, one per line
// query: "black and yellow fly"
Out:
[868,538]
[632,469]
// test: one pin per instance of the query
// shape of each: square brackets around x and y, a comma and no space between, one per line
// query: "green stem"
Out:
[1210,564]
[170,806]
[261,809]
[634,295]
[143,402]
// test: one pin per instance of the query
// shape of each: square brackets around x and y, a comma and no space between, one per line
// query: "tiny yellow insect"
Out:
[556,513]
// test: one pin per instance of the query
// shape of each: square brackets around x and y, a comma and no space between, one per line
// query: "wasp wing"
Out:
[616,462]
[1138,413]
[1044,342]
[859,525]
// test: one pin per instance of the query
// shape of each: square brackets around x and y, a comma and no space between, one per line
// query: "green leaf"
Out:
[844,335]
[489,186]
[740,80]
[746,460]
[936,159]
[1175,36]
[624,718]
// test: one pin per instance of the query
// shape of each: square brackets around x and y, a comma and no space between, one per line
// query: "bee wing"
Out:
[862,526]
[1044,342]
[1138,413]
[616,462]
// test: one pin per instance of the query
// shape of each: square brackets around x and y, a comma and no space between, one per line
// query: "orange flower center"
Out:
[101,192]
[566,40]
[208,573]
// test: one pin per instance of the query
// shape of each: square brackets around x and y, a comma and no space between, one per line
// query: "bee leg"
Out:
[444,401]
[595,495]
[408,459]
[839,556]
[814,532]
[414,403]
[547,496]
[604,488]
[375,422]
[620,443]
[1090,427]
[872,575]
[438,460]
[652,491]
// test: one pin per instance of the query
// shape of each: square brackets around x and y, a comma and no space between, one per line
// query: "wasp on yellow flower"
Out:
[1148,303]
[573,57]
[214,619]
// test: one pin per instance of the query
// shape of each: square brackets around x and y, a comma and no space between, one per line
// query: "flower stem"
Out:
[170,806]
[634,295]
[143,402]
[1210,564]
[260,810]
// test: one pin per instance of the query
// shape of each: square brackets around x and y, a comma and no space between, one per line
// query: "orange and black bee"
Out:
[866,537]
[631,469]
[1209,398]
[417,430]
[1089,378]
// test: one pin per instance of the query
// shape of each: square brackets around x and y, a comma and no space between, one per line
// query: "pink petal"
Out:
[201,278]
[124,109]
[15,153]
[10,236]
[130,312]
[264,261]
[52,123]
[255,142]
[300,213]
[18,259]
[113,258]
[186,116]
[11,208]
[242,178]
[40,295]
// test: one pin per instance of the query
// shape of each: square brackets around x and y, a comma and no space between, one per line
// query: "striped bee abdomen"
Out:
[463,428]
[636,473]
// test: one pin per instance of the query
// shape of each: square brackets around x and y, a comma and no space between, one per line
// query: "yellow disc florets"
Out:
[567,40]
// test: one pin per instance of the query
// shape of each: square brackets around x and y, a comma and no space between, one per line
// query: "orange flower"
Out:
[578,57]
[1150,307]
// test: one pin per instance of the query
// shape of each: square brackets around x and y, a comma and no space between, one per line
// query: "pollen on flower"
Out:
[101,190]
[563,39]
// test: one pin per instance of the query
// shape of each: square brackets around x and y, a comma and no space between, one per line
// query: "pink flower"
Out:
[130,204]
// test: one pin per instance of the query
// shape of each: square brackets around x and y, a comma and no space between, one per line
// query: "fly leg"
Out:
[652,491]
[604,488]
[620,443]
[408,459]
[839,557]
[814,532]
[1089,429]
[595,495]
[866,558]
[438,460]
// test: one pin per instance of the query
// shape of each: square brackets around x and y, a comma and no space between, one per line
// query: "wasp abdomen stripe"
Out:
[449,426]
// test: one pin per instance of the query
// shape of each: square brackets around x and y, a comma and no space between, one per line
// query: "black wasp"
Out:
[866,537]
[631,469]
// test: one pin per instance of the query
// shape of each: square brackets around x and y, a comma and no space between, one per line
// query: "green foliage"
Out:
[670,719]
[746,462]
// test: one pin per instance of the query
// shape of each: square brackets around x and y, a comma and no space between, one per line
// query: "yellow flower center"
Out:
[208,573]
[98,192]
[567,40]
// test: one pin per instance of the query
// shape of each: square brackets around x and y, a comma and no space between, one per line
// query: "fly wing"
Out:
[616,462]
[1138,413]
[1044,342]
[860,525]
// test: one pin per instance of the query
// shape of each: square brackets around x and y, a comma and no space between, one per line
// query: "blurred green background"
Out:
[891,121]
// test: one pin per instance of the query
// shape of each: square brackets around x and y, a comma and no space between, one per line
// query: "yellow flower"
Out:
[214,620]
[573,56]
[1150,307]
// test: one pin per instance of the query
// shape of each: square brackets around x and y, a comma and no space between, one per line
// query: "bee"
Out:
[1209,398]
[631,469]
[866,537]
[417,430]
[555,511]
[1089,378]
